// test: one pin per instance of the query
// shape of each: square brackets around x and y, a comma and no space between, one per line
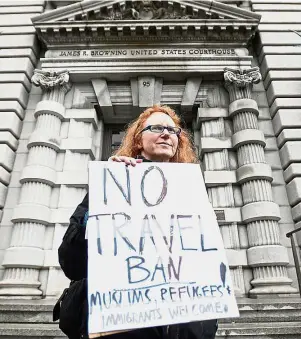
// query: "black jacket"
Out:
[73,261]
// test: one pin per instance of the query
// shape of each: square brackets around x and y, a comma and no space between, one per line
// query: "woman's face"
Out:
[159,146]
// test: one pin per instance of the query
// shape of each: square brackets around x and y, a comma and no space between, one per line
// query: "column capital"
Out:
[239,82]
[242,77]
[49,80]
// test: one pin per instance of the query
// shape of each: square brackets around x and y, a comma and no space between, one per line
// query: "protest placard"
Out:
[155,252]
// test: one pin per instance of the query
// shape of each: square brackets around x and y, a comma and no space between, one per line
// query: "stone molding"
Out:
[38,138]
[248,136]
[213,178]
[50,107]
[29,257]
[261,210]
[39,173]
[81,68]
[267,255]
[210,144]
[242,105]
[254,171]
[32,212]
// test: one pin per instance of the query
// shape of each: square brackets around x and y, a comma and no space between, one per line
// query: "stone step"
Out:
[267,310]
[279,330]
[260,330]
[259,319]
[251,311]
[26,311]
[31,331]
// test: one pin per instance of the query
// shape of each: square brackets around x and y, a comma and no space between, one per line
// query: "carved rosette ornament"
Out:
[49,80]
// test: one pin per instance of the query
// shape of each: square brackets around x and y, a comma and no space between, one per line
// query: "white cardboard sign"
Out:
[155,253]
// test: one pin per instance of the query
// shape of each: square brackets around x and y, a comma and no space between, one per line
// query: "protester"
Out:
[156,136]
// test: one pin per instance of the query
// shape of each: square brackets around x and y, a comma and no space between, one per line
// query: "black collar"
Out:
[143,159]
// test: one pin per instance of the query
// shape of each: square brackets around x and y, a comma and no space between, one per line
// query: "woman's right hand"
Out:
[127,160]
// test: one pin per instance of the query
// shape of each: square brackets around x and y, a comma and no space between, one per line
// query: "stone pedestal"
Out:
[25,255]
[266,256]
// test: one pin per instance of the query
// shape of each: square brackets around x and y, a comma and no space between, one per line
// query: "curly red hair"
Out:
[132,139]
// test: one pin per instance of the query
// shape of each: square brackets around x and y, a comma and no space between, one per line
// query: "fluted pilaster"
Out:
[250,154]
[263,232]
[216,161]
[265,255]
[222,196]
[213,128]
[25,256]
[256,190]
[41,155]
[245,120]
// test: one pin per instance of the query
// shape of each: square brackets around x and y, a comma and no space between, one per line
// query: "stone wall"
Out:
[19,53]
[279,57]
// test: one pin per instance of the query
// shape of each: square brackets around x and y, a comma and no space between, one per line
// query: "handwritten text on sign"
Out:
[155,252]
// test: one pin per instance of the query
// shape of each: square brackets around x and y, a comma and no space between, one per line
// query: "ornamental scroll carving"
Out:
[48,80]
[242,78]
[147,10]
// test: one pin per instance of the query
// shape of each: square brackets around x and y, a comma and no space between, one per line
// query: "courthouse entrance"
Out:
[105,62]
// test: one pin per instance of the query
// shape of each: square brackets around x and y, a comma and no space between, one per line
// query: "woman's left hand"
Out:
[127,160]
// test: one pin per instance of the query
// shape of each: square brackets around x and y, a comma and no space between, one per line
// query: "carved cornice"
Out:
[242,78]
[118,21]
[49,80]
[57,34]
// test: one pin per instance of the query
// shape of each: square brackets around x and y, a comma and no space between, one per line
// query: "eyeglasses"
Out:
[161,128]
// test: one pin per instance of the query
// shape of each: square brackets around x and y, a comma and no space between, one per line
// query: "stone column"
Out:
[219,165]
[222,196]
[267,257]
[25,256]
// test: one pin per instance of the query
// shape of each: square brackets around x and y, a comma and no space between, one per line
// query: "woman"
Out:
[154,136]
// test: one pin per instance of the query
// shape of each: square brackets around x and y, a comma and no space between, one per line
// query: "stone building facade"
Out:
[73,73]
